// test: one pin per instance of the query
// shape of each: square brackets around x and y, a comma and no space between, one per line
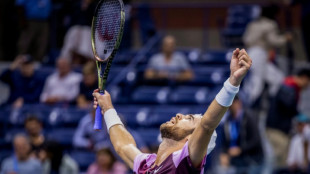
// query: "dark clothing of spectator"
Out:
[242,132]
[34,16]
[28,88]
[283,106]
[82,16]
[305,25]
[87,91]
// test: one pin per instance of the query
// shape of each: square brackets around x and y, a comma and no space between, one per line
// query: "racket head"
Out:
[107,29]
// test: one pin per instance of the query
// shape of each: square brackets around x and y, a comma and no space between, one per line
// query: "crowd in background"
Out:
[243,145]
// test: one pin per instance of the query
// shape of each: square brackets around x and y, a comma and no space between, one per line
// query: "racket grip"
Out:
[98,118]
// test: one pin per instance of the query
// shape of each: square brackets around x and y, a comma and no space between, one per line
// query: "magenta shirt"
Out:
[178,162]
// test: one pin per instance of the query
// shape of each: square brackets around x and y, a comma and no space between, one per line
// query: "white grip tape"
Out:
[111,118]
[227,94]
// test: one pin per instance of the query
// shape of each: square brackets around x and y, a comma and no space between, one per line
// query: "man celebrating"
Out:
[185,137]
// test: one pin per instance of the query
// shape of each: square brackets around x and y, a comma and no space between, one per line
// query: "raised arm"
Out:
[122,140]
[199,140]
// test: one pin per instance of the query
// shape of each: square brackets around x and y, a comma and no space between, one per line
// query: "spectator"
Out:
[55,161]
[261,36]
[37,140]
[241,143]
[168,64]
[106,164]
[85,136]
[61,86]
[89,83]
[21,162]
[283,108]
[23,80]
[305,26]
[297,152]
[77,42]
[34,16]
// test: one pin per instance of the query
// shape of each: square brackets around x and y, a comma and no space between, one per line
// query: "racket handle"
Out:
[98,118]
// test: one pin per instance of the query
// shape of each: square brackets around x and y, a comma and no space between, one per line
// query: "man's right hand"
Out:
[104,101]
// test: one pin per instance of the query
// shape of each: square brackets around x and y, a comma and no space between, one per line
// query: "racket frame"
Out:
[103,75]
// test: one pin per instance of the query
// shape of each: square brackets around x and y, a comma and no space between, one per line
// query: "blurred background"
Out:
[174,58]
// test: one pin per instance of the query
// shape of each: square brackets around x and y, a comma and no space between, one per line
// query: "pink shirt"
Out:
[178,162]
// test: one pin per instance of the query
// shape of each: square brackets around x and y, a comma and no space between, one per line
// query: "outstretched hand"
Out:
[239,66]
[104,101]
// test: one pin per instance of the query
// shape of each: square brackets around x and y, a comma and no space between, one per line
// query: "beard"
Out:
[173,132]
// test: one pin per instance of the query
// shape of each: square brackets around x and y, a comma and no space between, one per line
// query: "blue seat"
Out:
[5,153]
[190,95]
[150,95]
[163,113]
[151,137]
[63,136]
[83,158]
[215,57]
[134,115]
[10,134]
[209,76]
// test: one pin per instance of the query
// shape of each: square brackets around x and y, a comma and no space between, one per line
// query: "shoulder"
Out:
[75,76]
[146,158]
[157,56]
[35,163]
[179,55]
[67,161]
[7,161]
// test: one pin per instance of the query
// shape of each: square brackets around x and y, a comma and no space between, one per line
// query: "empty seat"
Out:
[151,137]
[209,76]
[163,113]
[190,95]
[150,94]
[62,135]
[83,158]
[134,115]
[215,57]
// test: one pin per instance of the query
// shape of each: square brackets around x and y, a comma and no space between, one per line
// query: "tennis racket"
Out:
[107,31]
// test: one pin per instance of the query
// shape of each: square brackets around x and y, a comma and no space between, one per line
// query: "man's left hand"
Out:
[239,66]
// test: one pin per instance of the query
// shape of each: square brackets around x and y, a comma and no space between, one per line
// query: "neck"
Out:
[37,139]
[167,147]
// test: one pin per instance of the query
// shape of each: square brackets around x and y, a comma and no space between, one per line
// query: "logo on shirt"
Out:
[156,170]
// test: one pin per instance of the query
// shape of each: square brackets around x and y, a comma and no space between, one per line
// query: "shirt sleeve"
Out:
[78,138]
[138,160]
[180,155]
[183,63]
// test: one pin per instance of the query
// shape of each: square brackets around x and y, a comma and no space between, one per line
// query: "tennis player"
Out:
[185,138]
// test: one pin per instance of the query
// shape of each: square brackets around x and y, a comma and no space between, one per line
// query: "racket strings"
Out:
[107,26]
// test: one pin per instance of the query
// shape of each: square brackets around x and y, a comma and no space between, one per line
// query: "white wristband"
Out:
[227,94]
[111,118]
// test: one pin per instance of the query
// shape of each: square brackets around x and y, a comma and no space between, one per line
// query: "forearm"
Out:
[124,144]
[122,141]
[213,116]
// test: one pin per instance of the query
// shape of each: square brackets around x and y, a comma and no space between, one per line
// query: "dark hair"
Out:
[55,154]
[304,72]
[108,152]
[270,11]
[32,118]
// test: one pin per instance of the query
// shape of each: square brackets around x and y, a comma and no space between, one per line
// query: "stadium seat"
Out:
[190,95]
[151,137]
[163,113]
[10,134]
[62,135]
[83,158]
[134,115]
[151,95]
[215,57]
[209,76]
